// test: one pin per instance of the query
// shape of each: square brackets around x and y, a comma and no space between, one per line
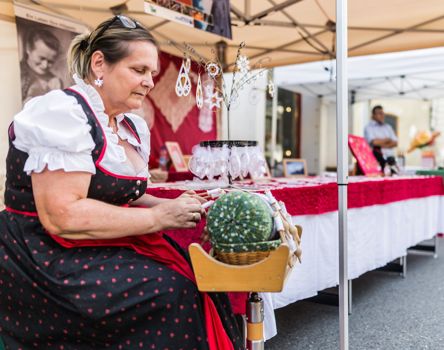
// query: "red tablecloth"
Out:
[312,199]
[179,175]
[323,198]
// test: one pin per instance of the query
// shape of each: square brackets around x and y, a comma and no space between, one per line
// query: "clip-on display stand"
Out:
[267,275]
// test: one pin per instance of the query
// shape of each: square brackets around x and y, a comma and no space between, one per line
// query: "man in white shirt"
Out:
[381,138]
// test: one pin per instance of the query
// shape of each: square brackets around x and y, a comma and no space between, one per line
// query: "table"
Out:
[437,172]
[315,196]
[386,216]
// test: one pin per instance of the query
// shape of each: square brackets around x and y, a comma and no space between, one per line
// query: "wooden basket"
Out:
[243,258]
[248,258]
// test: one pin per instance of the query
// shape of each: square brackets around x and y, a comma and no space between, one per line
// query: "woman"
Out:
[41,50]
[79,269]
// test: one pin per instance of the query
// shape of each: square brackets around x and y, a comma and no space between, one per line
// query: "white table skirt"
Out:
[376,235]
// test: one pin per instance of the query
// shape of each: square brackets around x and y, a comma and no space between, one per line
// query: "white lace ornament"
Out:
[243,64]
[199,93]
[213,99]
[213,70]
[270,87]
[183,83]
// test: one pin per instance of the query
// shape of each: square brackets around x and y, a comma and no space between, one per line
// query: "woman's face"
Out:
[40,57]
[126,83]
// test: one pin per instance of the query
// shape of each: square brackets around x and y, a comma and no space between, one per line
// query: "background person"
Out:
[80,254]
[41,50]
[381,138]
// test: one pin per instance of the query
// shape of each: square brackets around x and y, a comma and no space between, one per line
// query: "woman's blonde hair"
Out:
[111,38]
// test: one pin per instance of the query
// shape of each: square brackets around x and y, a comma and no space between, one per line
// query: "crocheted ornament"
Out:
[240,221]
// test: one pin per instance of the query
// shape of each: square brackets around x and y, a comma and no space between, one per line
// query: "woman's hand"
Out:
[193,194]
[182,212]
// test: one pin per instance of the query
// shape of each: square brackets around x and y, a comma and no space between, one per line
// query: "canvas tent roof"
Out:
[284,31]
[417,74]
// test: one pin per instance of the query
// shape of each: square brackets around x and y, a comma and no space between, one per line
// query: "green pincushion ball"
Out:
[240,221]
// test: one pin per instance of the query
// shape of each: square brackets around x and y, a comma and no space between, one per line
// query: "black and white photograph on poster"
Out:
[208,15]
[43,41]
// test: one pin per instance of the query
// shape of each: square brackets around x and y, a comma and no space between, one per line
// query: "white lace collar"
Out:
[98,107]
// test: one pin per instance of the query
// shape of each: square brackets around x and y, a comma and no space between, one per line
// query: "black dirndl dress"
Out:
[102,297]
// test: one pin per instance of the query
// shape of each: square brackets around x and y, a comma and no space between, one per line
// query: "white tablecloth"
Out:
[376,235]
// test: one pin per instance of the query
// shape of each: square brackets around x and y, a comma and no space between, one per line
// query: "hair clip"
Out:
[83,45]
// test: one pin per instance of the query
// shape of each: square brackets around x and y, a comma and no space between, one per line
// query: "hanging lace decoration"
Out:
[183,83]
[199,93]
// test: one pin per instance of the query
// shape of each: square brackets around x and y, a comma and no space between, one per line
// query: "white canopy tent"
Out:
[417,74]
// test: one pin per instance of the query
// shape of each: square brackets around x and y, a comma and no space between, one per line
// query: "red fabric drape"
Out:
[183,123]
[157,248]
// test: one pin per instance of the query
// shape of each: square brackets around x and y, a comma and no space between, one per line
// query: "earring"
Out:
[199,93]
[183,83]
[98,82]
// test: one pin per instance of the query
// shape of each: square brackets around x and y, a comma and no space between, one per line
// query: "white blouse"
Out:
[54,131]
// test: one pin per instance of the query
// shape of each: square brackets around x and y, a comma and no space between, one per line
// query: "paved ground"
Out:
[389,313]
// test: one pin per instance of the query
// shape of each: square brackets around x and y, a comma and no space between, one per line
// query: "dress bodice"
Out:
[105,185]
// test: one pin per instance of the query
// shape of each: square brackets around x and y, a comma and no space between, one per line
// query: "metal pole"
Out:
[221,52]
[342,161]
[273,124]
[255,322]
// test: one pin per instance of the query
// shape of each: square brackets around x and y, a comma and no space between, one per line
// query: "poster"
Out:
[208,15]
[43,42]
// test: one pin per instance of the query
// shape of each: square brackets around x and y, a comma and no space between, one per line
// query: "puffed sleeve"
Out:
[54,131]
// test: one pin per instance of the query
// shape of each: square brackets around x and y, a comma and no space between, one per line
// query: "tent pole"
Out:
[273,124]
[342,161]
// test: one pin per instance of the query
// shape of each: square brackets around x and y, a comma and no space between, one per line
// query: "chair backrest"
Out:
[364,155]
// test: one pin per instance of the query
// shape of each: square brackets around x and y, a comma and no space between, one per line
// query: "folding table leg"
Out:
[403,263]
[330,297]
[436,240]
[350,297]
[426,248]
[398,267]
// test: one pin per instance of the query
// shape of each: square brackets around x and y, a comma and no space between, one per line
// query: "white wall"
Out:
[328,148]
[361,116]
[10,94]
[247,115]
[311,132]
[438,125]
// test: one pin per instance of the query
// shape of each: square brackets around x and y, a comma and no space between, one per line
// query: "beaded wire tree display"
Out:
[226,158]
[214,92]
